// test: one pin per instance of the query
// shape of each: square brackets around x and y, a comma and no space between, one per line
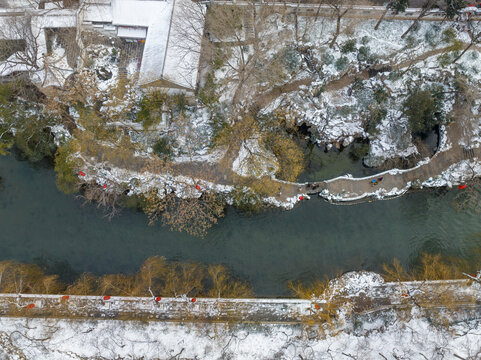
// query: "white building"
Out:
[172,38]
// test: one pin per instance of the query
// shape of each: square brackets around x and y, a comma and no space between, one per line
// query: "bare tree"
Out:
[241,41]
[474,34]
[428,5]
[339,8]
[396,6]
[19,27]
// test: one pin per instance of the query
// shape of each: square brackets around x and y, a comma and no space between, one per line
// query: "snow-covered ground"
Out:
[382,331]
[339,115]
[22,338]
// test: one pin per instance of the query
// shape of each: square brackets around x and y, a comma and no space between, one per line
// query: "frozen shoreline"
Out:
[248,328]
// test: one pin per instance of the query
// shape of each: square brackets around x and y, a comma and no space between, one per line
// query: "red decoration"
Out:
[462,187]
[158,298]
[193,300]
[107,297]
[81,173]
[317,306]
[30,306]
[404,295]
[65,297]
[301,197]
[197,187]
[105,186]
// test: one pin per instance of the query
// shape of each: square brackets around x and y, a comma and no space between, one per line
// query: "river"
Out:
[314,239]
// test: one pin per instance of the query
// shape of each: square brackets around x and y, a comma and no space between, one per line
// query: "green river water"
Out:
[314,239]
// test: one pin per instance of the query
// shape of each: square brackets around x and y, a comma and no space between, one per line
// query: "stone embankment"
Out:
[366,291]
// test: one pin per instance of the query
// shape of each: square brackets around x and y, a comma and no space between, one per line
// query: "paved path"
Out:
[348,189]
[278,311]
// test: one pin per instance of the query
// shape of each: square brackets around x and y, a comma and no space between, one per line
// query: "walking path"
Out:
[394,182]
[279,311]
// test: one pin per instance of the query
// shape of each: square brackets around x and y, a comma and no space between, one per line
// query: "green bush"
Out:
[65,169]
[380,95]
[208,95]
[445,60]
[290,58]
[6,93]
[430,38]
[151,109]
[424,109]
[35,143]
[449,35]
[163,148]
[221,129]
[394,75]
[341,63]
[349,46]
[179,102]
[246,201]
[327,58]
[358,150]
[410,41]
[376,115]
[363,54]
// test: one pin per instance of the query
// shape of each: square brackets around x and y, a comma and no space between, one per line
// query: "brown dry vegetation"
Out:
[155,276]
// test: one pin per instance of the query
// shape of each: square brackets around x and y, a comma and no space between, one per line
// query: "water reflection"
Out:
[314,239]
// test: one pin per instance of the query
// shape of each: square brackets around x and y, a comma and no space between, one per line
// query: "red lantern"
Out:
[105,186]
[81,173]
[158,298]
[193,300]
[65,297]
[107,297]
[30,306]
[317,306]
[197,187]
[462,187]
[301,198]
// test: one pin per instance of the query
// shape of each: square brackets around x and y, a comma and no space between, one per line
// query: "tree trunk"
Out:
[338,30]
[381,18]
[464,52]
[412,26]
[296,18]
[428,7]
[318,11]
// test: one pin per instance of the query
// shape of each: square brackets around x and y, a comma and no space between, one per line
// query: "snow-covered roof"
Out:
[132,32]
[140,13]
[98,13]
[183,50]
